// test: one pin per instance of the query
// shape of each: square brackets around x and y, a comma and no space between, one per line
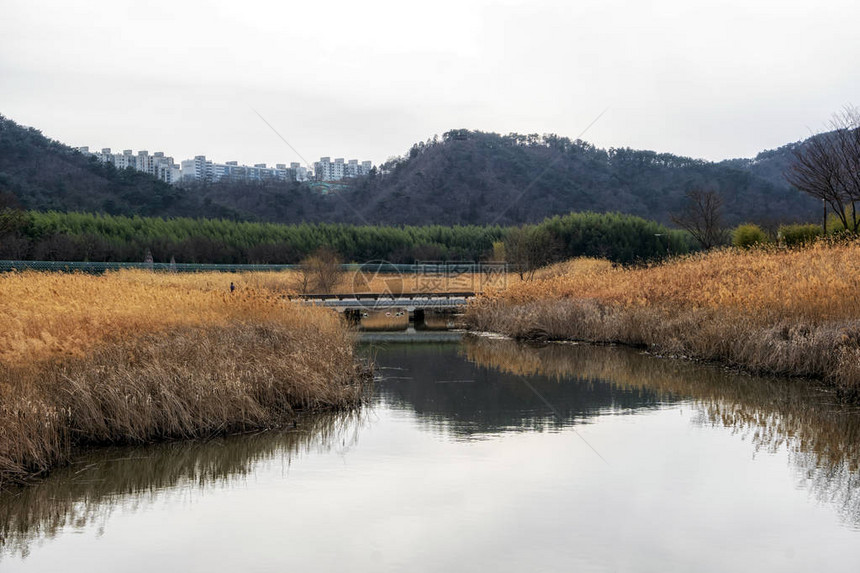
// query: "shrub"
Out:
[320,271]
[836,226]
[748,235]
[795,235]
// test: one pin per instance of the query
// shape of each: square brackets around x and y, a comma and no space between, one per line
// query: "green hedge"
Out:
[54,236]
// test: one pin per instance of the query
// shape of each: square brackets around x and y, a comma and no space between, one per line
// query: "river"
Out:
[479,455]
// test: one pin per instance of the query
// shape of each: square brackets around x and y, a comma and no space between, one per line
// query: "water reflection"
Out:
[468,399]
[86,493]
[821,436]
[472,395]
[387,319]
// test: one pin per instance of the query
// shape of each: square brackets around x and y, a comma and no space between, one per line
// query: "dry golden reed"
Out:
[289,282]
[793,312]
[134,356]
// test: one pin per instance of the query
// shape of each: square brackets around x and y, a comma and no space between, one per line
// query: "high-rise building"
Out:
[301,172]
[198,169]
[326,170]
[204,170]
[157,165]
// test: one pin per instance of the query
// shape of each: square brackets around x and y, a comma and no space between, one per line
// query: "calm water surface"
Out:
[480,455]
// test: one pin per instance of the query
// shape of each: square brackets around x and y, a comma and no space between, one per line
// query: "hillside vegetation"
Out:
[485,177]
[464,177]
[43,174]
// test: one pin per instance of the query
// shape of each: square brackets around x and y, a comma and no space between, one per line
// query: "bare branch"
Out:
[827,167]
[702,218]
[319,272]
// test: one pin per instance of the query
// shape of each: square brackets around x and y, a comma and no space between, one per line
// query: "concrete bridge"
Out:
[418,306]
[410,301]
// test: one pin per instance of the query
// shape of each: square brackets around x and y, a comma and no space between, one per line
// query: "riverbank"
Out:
[133,357]
[787,312]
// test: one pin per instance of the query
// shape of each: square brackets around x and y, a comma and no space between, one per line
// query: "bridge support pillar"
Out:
[352,315]
[418,316]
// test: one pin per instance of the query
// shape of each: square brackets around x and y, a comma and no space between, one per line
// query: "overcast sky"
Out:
[365,80]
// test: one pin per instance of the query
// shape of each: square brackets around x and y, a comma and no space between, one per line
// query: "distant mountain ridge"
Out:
[464,177]
[479,177]
[44,174]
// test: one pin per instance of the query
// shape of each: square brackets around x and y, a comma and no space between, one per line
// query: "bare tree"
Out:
[702,218]
[302,281]
[527,248]
[846,126]
[827,166]
[319,272]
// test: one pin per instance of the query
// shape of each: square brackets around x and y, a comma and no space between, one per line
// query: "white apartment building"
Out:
[259,172]
[326,170]
[283,173]
[126,160]
[197,169]
[200,169]
[301,172]
[157,165]
[356,169]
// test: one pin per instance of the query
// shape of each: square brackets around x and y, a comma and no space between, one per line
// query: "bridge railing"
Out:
[96,267]
[406,296]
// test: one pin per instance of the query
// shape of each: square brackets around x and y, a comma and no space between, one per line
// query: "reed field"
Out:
[288,282]
[135,356]
[784,311]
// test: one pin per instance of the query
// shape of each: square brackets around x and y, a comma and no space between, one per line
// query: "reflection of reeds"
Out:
[135,357]
[388,319]
[435,320]
[781,311]
[107,478]
[822,437]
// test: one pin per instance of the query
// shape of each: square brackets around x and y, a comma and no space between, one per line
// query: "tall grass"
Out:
[135,357]
[290,282]
[775,310]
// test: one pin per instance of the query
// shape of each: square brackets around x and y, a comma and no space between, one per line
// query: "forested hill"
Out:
[474,177]
[769,165]
[45,174]
[42,174]
[464,177]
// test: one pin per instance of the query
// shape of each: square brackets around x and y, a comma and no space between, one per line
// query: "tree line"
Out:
[55,236]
